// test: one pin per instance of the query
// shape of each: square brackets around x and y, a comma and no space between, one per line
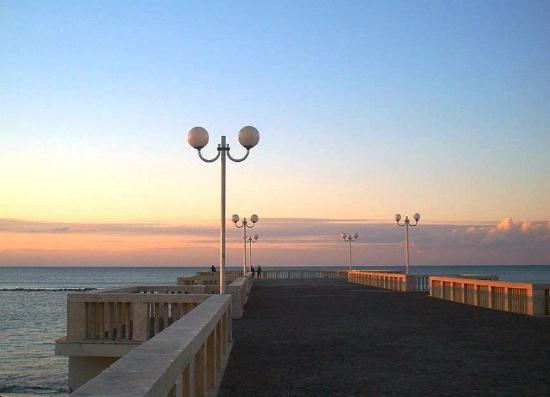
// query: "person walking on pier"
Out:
[252,270]
[213,269]
[259,271]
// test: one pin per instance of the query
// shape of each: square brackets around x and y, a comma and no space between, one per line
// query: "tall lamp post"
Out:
[244,225]
[349,238]
[198,138]
[250,242]
[406,223]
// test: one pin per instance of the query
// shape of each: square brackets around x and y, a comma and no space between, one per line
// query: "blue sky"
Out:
[434,106]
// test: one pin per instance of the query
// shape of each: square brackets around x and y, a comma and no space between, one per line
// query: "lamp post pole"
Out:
[198,139]
[222,150]
[406,223]
[250,242]
[349,238]
[244,225]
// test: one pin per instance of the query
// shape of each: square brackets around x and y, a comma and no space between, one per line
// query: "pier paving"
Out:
[333,338]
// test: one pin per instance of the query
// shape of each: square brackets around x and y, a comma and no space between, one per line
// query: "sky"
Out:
[364,108]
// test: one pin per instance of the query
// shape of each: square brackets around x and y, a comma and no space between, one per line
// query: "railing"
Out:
[239,290]
[394,281]
[187,359]
[134,316]
[208,278]
[303,274]
[522,298]
[104,325]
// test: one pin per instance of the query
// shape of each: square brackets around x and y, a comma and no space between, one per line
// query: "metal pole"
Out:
[244,251]
[349,254]
[250,251]
[222,231]
[406,247]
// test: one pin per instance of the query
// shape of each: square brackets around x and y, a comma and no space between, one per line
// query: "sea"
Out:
[33,312]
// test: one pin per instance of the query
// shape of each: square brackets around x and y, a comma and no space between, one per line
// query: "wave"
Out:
[31,390]
[48,289]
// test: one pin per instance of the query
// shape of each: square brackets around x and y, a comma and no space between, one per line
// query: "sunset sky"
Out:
[365,109]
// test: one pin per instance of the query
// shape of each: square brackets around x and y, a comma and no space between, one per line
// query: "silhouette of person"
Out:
[259,271]
[213,269]
[252,270]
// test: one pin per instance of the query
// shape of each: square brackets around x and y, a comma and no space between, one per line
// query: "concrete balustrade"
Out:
[387,280]
[186,359]
[104,325]
[522,298]
[208,278]
[239,290]
[303,274]
[131,316]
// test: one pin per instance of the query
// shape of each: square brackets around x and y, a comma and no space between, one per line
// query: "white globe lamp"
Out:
[249,137]
[197,137]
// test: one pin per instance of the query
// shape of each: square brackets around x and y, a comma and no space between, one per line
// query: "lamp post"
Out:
[244,225]
[406,223]
[250,242]
[349,238]
[198,138]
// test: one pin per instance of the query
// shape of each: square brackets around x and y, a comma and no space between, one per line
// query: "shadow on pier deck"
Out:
[332,338]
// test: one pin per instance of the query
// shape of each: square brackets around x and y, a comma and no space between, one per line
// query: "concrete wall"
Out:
[82,369]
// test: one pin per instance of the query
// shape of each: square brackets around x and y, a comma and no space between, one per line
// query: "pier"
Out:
[334,338]
[309,333]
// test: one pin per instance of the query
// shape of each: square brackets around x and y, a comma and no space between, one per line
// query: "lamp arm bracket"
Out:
[238,160]
[208,160]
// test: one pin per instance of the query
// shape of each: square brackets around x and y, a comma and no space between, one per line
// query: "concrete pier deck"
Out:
[332,338]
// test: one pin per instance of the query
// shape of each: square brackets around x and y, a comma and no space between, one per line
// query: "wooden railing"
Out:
[303,274]
[522,298]
[187,359]
[394,281]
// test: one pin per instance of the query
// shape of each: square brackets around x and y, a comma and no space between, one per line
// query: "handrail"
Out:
[387,280]
[125,316]
[522,298]
[303,274]
[187,358]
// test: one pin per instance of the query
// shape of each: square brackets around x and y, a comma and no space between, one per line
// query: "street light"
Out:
[244,225]
[406,224]
[198,138]
[349,238]
[250,242]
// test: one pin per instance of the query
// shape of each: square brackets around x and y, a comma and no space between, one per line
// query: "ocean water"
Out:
[33,313]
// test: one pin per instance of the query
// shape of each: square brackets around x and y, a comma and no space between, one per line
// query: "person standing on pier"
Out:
[252,270]
[259,271]
[213,269]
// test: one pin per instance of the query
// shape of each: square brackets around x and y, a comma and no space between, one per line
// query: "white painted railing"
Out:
[522,298]
[387,280]
[186,359]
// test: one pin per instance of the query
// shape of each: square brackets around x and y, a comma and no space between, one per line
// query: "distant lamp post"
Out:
[250,242]
[244,225]
[406,223]
[349,238]
[198,138]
